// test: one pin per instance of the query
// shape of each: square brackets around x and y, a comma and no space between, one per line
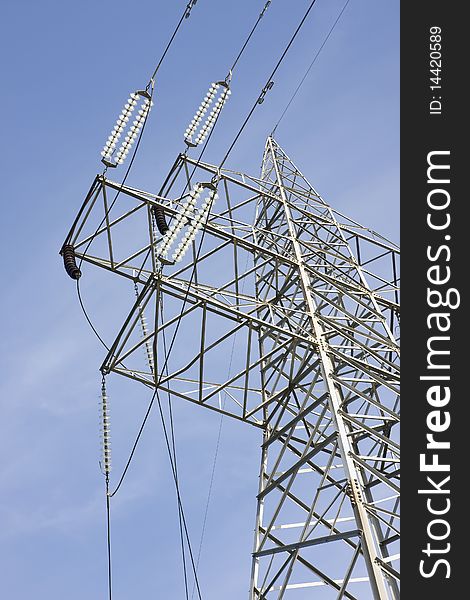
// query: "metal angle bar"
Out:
[309,455]
[236,281]
[247,369]
[202,350]
[93,188]
[135,254]
[304,368]
[316,570]
[205,350]
[368,369]
[106,213]
[392,519]
[305,544]
[151,384]
[370,430]
[225,174]
[392,248]
[235,249]
[377,473]
[347,578]
[274,469]
[153,241]
[313,521]
[381,458]
[141,301]
[289,389]
[345,329]
[388,569]
[390,540]
[105,264]
[305,534]
[210,228]
[309,584]
[102,229]
[270,585]
[278,476]
[229,311]
[318,517]
[386,522]
[279,432]
[342,310]
[362,395]
[252,366]
[230,210]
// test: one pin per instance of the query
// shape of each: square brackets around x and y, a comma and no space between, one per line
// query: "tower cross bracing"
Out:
[287,318]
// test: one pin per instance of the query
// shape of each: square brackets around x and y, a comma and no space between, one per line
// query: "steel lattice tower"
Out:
[304,301]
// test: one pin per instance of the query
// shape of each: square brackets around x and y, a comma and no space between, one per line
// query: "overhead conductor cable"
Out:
[113,158]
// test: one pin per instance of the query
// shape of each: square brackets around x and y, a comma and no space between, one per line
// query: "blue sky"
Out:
[66,70]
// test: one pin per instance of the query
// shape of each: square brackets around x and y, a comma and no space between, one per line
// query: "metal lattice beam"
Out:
[305,301]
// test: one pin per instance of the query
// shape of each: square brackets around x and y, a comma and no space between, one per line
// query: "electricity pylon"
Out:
[283,314]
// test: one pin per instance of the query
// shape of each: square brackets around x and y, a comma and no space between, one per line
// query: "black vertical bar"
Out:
[434,546]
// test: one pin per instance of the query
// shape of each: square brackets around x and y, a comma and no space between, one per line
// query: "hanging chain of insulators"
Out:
[105,432]
[191,216]
[198,130]
[144,331]
[111,157]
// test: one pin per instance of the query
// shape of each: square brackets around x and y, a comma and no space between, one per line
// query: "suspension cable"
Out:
[310,66]
[180,504]
[261,15]
[269,83]
[186,14]
[217,444]
[108,540]
[171,449]
[173,444]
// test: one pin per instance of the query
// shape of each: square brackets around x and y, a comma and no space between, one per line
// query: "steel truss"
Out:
[288,317]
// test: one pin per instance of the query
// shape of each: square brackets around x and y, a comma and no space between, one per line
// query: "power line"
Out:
[87,317]
[173,443]
[269,83]
[108,539]
[186,14]
[185,526]
[217,445]
[310,66]
[261,15]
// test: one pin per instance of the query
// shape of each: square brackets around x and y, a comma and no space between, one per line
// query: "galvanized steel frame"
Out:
[319,373]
